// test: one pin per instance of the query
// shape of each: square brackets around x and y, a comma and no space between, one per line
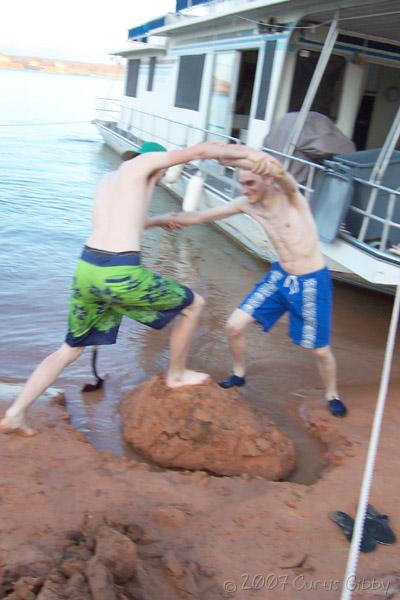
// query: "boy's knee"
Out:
[196,306]
[324,353]
[70,353]
[233,328]
[198,302]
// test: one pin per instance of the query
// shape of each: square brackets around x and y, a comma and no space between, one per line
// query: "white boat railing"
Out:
[108,109]
[385,221]
[376,230]
[174,134]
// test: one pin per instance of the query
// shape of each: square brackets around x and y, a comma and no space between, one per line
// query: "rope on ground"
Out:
[349,581]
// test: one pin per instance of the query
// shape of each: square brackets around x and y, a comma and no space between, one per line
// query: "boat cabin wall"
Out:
[359,90]
[225,83]
[239,82]
[179,94]
[180,91]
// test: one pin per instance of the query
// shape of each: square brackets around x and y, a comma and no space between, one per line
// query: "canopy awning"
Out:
[140,48]
[182,4]
[143,30]
[375,18]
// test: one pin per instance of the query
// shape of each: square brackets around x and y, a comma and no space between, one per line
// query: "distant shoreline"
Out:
[62,67]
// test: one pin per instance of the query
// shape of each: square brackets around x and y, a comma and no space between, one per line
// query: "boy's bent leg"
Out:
[264,305]
[42,377]
[327,368]
[178,375]
[236,331]
[155,300]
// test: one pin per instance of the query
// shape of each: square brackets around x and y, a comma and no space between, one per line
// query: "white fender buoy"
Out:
[173,173]
[193,192]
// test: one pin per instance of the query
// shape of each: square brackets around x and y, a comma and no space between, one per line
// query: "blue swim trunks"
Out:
[307,298]
[110,285]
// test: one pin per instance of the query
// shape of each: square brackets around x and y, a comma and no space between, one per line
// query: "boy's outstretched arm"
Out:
[165,221]
[173,220]
[156,161]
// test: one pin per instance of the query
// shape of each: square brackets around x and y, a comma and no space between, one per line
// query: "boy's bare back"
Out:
[120,207]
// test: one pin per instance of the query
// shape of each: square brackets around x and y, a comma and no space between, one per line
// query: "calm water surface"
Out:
[50,160]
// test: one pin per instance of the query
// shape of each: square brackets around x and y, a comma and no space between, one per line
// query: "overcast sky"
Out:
[84,30]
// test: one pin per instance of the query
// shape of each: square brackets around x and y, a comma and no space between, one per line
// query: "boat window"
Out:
[132,78]
[152,68]
[244,94]
[265,79]
[363,120]
[189,81]
[326,100]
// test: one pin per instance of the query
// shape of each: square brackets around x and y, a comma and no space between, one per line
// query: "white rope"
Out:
[323,23]
[41,124]
[349,582]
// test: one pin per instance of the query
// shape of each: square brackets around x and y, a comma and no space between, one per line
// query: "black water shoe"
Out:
[336,407]
[232,381]
[377,525]
[346,524]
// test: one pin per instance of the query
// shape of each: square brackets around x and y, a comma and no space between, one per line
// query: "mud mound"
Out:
[112,562]
[204,428]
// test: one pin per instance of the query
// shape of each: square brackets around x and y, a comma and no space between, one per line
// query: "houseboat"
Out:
[254,72]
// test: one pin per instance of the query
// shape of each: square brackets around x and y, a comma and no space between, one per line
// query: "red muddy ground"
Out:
[194,535]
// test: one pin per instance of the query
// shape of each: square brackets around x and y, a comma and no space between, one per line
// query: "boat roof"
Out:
[376,18]
[141,48]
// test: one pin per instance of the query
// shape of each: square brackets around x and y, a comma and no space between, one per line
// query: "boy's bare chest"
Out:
[282,217]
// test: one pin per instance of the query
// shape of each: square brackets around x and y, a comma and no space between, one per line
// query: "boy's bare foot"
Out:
[17,426]
[187,378]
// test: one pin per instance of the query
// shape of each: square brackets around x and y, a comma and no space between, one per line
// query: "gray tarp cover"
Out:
[320,139]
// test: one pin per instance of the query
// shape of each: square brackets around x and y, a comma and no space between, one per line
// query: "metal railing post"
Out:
[389,218]
[379,169]
[312,89]
[186,135]
[167,133]
[309,182]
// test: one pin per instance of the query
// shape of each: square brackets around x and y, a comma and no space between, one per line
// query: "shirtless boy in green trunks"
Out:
[110,282]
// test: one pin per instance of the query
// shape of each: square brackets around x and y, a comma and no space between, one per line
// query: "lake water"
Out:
[51,158]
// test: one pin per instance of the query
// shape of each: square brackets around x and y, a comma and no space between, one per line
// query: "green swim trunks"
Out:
[110,285]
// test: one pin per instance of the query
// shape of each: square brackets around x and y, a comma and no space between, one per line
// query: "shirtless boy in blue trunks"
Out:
[299,283]
[110,282]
